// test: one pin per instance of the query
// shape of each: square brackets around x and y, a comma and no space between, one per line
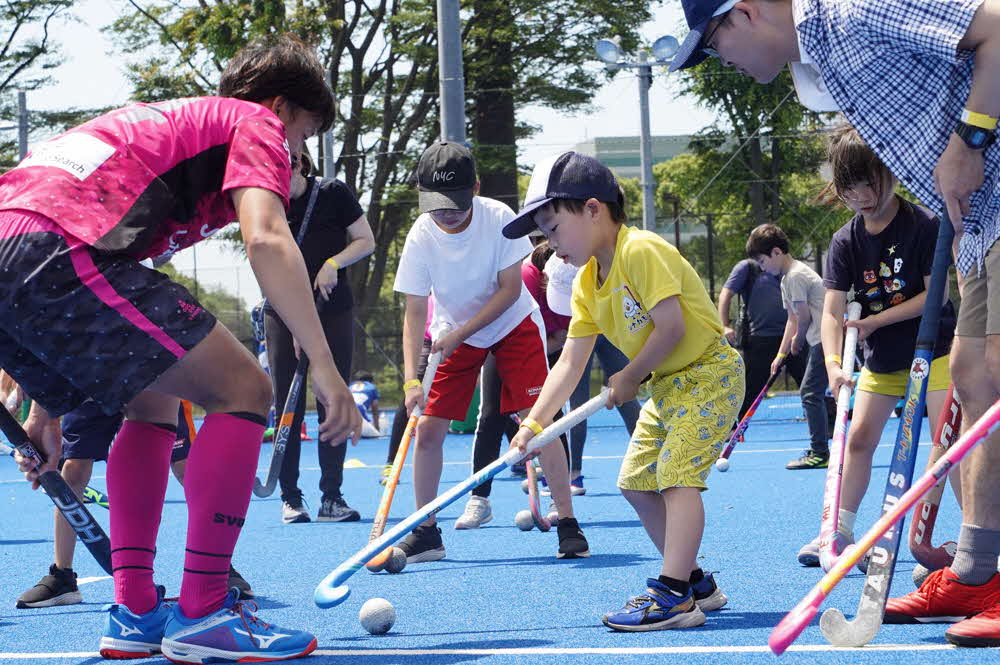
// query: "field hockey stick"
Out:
[878,579]
[332,590]
[90,495]
[925,513]
[835,467]
[722,464]
[284,430]
[531,487]
[378,525]
[73,511]
[795,621]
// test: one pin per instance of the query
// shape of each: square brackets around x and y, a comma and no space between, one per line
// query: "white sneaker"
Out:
[477,512]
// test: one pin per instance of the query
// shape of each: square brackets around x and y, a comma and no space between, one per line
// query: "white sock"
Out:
[845,522]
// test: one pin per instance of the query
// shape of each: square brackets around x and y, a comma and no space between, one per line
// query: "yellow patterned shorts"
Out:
[685,423]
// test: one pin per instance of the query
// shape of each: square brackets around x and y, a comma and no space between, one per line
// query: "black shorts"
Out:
[76,323]
[87,433]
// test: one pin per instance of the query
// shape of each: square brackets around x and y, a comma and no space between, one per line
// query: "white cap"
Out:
[559,292]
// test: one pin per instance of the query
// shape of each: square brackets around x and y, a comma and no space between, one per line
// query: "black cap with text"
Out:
[446,177]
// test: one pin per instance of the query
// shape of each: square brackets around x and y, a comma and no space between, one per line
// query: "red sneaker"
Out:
[943,599]
[982,630]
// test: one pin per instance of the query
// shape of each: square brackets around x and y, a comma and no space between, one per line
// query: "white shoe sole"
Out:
[125,649]
[179,652]
[426,556]
[691,619]
[68,598]
[714,602]
[472,524]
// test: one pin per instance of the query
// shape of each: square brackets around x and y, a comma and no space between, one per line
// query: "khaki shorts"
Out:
[685,423]
[975,316]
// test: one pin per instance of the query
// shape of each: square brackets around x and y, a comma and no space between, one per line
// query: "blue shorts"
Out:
[87,433]
[78,323]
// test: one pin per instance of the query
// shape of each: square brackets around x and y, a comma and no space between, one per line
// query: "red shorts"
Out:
[521,365]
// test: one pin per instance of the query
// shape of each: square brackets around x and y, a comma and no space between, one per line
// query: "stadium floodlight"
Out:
[608,51]
[665,48]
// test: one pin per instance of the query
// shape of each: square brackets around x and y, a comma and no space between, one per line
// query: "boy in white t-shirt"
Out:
[456,251]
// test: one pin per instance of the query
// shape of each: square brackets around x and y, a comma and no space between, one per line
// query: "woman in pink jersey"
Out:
[81,319]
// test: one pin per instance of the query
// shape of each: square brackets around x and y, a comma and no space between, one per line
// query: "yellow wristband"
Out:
[333,263]
[834,358]
[532,425]
[980,120]
[782,356]
[412,383]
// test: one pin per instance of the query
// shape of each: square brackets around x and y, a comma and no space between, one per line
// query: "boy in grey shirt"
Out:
[802,295]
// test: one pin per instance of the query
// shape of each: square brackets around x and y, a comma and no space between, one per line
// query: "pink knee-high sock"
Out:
[218,481]
[138,469]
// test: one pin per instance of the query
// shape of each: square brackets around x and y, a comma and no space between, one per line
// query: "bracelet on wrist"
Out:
[981,120]
[834,358]
[333,263]
[532,425]
[782,356]
[412,383]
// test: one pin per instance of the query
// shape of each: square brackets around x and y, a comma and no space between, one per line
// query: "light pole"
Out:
[663,51]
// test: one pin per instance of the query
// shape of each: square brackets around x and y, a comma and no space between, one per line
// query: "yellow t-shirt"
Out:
[645,270]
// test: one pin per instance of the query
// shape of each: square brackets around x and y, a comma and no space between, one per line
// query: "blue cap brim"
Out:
[524,223]
[690,53]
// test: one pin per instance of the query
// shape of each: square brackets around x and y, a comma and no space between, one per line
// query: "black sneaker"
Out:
[810,460]
[572,543]
[707,594]
[335,509]
[56,588]
[424,544]
[237,582]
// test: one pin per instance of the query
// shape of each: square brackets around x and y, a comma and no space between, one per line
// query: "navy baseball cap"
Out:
[569,175]
[698,14]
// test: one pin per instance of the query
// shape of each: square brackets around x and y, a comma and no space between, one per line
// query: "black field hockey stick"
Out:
[288,416]
[76,515]
[866,624]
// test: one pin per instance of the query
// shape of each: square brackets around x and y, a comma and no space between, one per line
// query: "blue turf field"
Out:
[501,596]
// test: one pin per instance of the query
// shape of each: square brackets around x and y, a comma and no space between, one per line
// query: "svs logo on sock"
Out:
[221,518]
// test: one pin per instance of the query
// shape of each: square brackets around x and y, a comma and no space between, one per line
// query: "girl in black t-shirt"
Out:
[884,256]
[326,219]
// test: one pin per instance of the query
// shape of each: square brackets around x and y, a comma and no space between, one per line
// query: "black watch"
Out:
[976,138]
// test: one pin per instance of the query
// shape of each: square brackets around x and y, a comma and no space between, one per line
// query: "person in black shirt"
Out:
[884,255]
[332,232]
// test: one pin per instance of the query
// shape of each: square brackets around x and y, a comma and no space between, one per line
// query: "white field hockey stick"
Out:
[835,470]
[332,590]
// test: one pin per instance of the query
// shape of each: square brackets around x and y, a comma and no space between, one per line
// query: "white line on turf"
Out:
[88,580]
[555,651]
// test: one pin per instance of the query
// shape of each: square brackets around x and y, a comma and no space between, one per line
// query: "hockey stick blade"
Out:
[332,590]
[263,490]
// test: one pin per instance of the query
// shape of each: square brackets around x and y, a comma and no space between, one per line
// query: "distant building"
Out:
[621,155]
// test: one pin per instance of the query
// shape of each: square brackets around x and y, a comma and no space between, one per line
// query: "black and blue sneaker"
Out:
[706,592]
[659,608]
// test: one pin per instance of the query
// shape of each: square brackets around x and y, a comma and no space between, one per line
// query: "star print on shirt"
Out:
[892,249]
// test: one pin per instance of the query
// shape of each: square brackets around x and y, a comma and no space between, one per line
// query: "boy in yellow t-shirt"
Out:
[638,291]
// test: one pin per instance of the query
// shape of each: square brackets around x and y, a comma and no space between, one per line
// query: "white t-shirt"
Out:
[461,270]
[802,284]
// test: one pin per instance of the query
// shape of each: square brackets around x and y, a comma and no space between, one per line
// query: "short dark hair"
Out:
[306,165]
[764,239]
[280,65]
[615,208]
[364,375]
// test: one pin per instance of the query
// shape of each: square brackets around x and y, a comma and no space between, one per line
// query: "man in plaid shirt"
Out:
[920,80]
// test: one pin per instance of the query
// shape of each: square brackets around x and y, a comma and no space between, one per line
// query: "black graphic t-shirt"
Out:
[885,270]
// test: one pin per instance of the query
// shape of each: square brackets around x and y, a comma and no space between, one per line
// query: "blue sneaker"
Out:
[576,487]
[231,634]
[707,594]
[128,635]
[657,609]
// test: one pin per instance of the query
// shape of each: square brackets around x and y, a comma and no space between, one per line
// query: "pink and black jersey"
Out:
[151,179]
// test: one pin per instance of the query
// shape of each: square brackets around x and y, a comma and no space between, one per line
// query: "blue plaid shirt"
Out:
[894,68]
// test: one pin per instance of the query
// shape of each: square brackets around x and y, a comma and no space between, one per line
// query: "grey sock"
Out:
[976,559]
